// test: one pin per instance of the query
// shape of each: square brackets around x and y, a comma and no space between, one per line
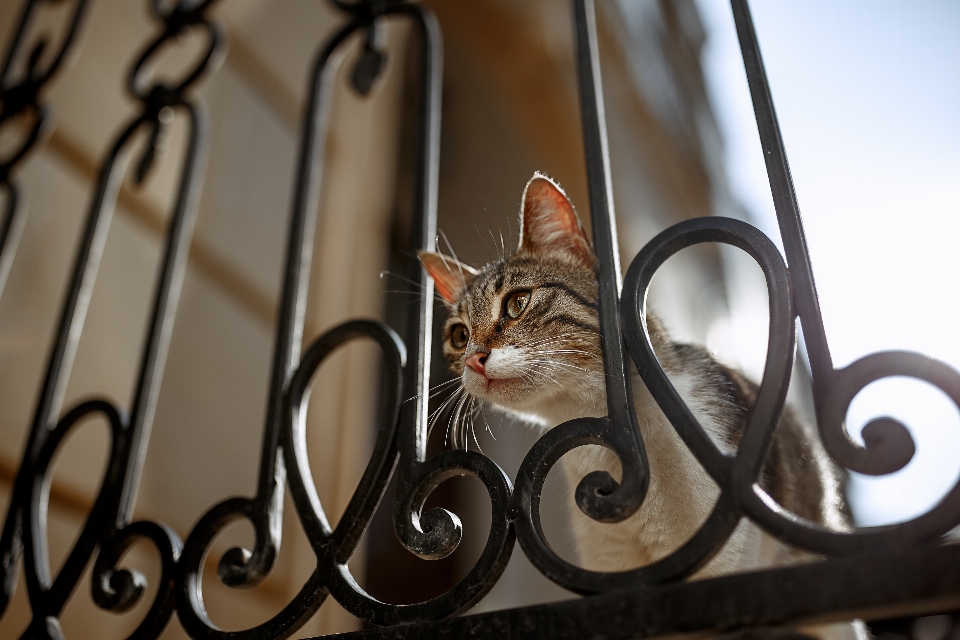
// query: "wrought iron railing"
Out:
[875,573]
[20,98]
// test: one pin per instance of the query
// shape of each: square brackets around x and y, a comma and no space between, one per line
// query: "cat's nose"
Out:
[477,362]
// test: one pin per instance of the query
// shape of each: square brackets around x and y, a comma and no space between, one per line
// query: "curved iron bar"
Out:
[333,548]
[401,441]
[48,595]
[431,535]
[888,444]
[109,523]
[436,533]
[725,469]
[240,567]
[20,96]
[832,389]
[598,495]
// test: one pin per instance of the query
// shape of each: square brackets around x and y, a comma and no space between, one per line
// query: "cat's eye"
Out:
[516,303]
[459,336]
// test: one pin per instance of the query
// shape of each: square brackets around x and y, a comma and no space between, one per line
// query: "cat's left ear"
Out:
[549,224]
[450,276]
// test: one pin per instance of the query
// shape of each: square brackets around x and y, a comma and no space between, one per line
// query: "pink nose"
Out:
[477,362]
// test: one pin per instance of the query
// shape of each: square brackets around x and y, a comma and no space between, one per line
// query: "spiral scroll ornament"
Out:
[651,600]
[108,525]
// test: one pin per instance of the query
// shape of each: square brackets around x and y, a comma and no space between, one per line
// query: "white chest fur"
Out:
[680,498]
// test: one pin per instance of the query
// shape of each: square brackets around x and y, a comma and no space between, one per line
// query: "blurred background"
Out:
[866,93]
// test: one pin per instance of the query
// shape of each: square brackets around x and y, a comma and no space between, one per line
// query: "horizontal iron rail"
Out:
[875,573]
[927,581]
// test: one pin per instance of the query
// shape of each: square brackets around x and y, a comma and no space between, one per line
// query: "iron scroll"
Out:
[648,601]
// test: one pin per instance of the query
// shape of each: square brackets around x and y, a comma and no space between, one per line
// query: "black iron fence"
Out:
[876,573]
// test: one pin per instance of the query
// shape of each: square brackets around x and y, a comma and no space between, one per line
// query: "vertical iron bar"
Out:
[60,362]
[412,434]
[11,227]
[168,288]
[888,445]
[784,199]
[602,216]
[623,430]
[435,533]
[239,567]
[18,96]
[108,523]
[423,233]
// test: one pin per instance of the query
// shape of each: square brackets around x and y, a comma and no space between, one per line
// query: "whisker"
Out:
[486,249]
[442,384]
[557,338]
[562,351]
[463,278]
[418,294]
[562,364]
[419,287]
[473,431]
[550,363]
[483,414]
[415,283]
[583,351]
[435,416]
[541,373]
[461,426]
[452,423]
[457,391]
[560,342]
[432,419]
[495,243]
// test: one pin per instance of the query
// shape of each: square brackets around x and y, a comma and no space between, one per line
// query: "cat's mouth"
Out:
[489,384]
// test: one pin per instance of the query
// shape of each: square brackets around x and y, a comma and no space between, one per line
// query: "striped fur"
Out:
[545,366]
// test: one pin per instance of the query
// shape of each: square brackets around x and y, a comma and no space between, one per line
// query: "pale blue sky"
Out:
[868,96]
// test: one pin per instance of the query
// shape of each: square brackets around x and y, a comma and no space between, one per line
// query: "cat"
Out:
[523,335]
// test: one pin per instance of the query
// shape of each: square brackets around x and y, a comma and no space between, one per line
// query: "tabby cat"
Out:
[523,333]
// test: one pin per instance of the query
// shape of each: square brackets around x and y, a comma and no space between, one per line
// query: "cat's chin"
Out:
[512,395]
[497,390]
[544,405]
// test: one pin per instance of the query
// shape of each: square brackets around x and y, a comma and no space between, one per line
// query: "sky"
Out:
[868,97]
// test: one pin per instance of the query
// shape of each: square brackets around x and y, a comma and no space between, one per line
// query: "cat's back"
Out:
[798,473]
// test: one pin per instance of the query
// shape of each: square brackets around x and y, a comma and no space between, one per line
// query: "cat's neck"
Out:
[586,396]
[583,401]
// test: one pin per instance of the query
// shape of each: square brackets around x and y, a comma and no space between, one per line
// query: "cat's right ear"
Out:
[450,276]
[549,224]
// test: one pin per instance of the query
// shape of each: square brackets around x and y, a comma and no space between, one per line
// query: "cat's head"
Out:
[523,332]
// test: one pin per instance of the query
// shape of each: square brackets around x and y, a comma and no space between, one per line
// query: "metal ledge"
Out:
[828,591]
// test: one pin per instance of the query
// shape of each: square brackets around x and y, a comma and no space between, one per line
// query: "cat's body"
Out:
[523,333]
[681,495]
